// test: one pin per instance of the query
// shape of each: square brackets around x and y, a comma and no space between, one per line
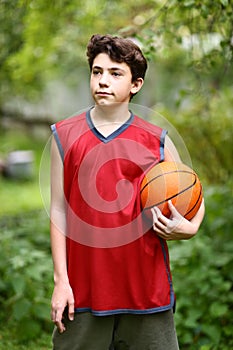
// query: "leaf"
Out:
[206,347]
[21,309]
[189,3]
[28,329]
[212,331]
[18,284]
[41,310]
[217,309]
[224,2]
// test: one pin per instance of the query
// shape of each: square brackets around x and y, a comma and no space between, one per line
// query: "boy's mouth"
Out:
[103,93]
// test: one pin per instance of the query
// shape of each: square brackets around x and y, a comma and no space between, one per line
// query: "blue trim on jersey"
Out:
[162,142]
[59,145]
[172,296]
[113,135]
[128,311]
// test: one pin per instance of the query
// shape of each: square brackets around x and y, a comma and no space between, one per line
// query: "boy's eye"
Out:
[116,74]
[96,72]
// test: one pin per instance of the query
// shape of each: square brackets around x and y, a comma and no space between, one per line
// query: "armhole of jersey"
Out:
[59,145]
[162,143]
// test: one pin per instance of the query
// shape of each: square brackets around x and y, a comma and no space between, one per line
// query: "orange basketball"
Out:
[171,181]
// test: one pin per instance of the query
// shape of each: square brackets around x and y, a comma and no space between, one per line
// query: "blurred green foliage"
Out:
[188,44]
[203,279]
[206,127]
[26,274]
[25,259]
[43,40]
[11,343]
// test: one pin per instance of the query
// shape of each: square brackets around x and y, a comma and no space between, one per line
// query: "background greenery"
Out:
[44,77]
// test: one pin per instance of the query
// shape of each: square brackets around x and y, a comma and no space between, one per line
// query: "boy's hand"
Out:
[176,227]
[62,297]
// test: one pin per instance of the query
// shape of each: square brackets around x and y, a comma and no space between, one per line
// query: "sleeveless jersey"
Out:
[116,263]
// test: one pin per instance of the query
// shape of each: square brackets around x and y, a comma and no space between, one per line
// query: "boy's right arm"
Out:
[62,294]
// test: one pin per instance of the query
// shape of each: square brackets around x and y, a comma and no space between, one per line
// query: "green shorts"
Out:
[118,332]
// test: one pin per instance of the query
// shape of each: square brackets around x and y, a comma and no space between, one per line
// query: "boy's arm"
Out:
[176,227]
[62,294]
[170,152]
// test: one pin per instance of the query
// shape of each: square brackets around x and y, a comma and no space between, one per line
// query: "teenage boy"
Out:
[113,286]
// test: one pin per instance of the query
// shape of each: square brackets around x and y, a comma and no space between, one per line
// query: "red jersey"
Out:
[115,261]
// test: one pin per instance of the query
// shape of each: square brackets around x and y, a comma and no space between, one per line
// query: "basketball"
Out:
[171,181]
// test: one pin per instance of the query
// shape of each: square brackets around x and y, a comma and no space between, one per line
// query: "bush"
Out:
[206,126]
[26,274]
[203,279]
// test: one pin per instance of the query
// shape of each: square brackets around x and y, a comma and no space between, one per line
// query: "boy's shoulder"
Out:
[147,126]
[67,131]
[72,120]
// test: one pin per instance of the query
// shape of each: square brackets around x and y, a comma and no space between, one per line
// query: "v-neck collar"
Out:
[114,134]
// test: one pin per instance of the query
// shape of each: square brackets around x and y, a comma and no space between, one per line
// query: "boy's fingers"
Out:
[60,326]
[56,317]
[173,210]
[71,311]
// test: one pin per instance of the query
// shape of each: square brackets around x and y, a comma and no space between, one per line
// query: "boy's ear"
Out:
[136,85]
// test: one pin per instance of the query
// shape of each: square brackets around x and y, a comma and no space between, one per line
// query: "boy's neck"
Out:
[118,113]
[108,119]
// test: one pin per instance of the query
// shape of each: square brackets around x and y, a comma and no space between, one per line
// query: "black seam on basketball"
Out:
[197,202]
[170,172]
[177,194]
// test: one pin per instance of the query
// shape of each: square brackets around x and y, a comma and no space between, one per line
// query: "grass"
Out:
[20,196]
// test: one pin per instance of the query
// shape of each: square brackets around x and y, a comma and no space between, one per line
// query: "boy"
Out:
[113,287]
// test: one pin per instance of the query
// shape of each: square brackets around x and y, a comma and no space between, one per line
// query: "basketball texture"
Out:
[171,181]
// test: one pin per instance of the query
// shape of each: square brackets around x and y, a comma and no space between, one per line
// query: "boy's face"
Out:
[111,82]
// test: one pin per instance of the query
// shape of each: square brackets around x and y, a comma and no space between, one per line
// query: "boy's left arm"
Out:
[176,227]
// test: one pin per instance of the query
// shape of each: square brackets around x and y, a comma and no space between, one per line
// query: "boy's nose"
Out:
[104,81]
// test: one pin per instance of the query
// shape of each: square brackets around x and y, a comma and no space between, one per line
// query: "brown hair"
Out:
[119,50]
